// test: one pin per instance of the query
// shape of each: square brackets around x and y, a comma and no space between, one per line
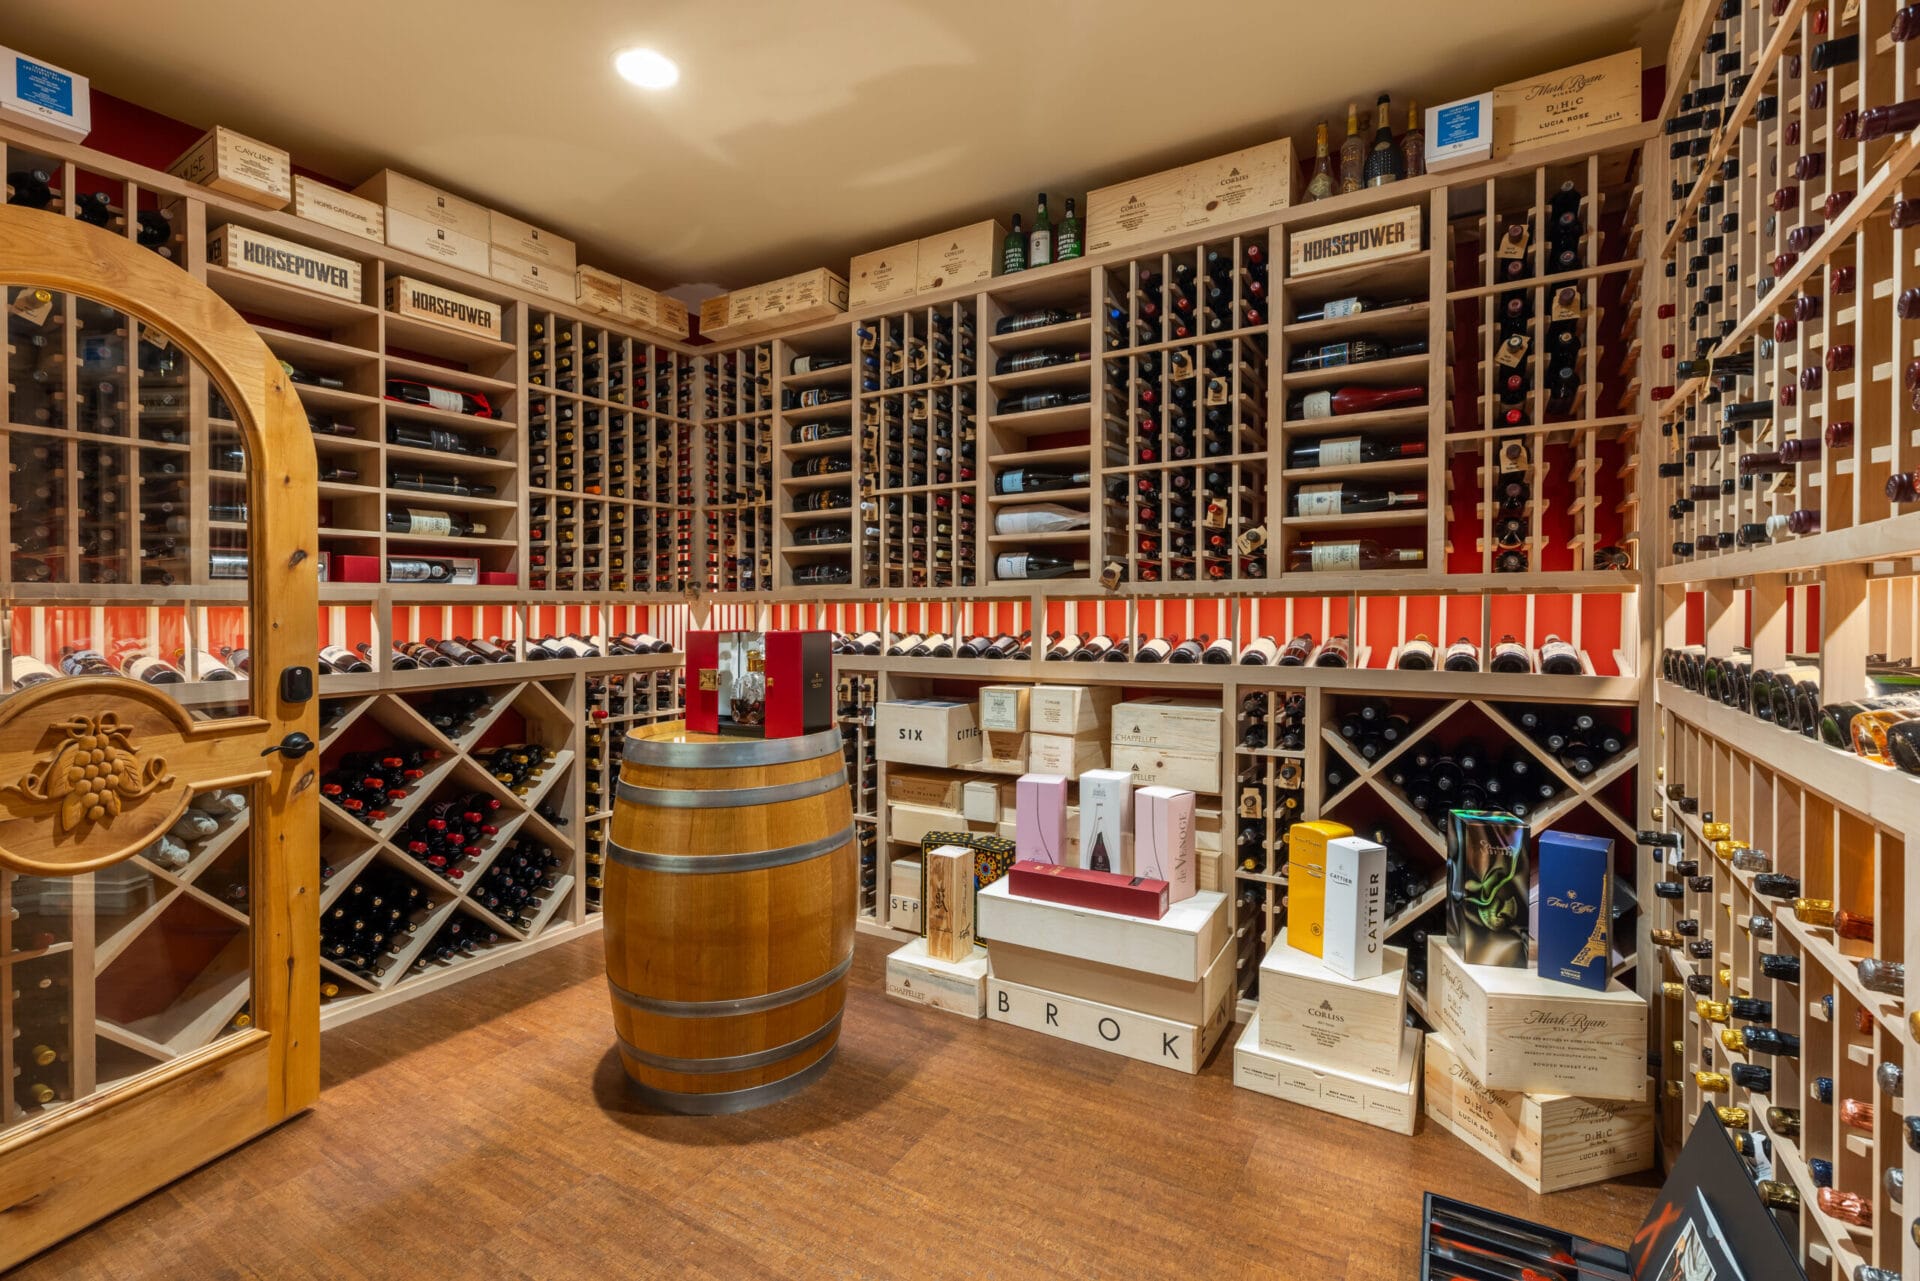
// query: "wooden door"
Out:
[159,868]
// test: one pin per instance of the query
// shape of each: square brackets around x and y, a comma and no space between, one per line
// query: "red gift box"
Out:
[1139,896]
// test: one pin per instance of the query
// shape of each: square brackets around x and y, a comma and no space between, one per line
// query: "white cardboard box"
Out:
[1318,1018]
[1389,1104]
[39,96]
[341,210]
[1460,133]
[428,204]
[1356,907]
[1180,945]
[903,878]
[1163,839]
[903,913]
[981,800]
[1166,1042]
[1106,820]
[456,249]
[959,987]
[524,240]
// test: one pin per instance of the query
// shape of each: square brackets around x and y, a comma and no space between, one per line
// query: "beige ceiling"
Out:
[800,133]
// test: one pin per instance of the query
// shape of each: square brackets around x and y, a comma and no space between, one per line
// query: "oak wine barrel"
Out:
[730,887]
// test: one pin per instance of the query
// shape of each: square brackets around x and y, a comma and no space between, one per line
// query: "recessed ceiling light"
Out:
[648,68]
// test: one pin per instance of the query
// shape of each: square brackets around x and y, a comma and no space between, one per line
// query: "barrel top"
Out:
[673,744]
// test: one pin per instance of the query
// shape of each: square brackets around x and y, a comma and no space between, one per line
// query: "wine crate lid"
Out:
[415,235]
[1317,1017]
[1240,184]
[1143,209]
[652,311]
[1388,1104]
[255,253]
[341,210]
[884,274]
[964,256]
[504,231]
[238,166]
[439,305]
[428,203]
[958,987]
[534,277]
[1590,98]
[1370,238]
[600,291]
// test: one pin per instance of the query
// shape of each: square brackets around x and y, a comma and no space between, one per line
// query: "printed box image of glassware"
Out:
[1487,878]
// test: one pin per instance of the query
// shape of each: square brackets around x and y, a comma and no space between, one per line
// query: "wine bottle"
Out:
[1355,351]
[1351,400]
[1350,554]
[1384,162]
[1261,652]
[1353,153]
[1013,253]
[1040,239]
[1154,651]
[1033,480]
[1068,242]
[1036,565]
[407,391]
[417,520]
[1462,656]
[1345,451]
[1297,651]
[1320,183]
[1218,653]
[1188,650]
[1338,308]
[1511,656]
[1039,518]
[1413,144]
[1416,655]
[1343,498]
[1557,658]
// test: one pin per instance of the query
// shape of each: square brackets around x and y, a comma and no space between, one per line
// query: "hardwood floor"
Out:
[483,1132]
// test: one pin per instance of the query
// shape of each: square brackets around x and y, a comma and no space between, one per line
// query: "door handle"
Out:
[294,745]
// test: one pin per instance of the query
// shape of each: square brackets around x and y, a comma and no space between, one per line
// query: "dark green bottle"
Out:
[1013,256]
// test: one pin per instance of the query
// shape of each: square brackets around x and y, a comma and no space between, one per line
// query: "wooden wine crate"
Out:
[599,291]
[1170,1043]
[341,210]
[1549,1142]
[1180,945]
[254,253]
[801,299]
[1376,237]
[1169,724]
[1075,976]
[1004,707]
[238,166]
[1240,184]
[1590,98]
[439,305]
[1069,755]
[1130,212]
[1157,767]
[524,240]
[428,204]
[884,274]
[912,822]
[1071,709]
[949,902]
[959,987]
[654,312]
[903,912]
[1004,751]
[1316,1017]
[1390,1104]
[964,256]
[1518,1031]
[534,277]
[444,245]
[941,791]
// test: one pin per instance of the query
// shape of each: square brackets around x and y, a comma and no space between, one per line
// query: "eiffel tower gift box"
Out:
[1574,936]
[1314,1016]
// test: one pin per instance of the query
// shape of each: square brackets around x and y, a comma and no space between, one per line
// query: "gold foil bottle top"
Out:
[1913,1024]
[1674,991]
[1817,912]
[1712,1082]
[1734,1118]
[1659,813]
[1784,1122]
[1726,976]
[1728,848]
[1716,831]
[1734,1039]
[1665,938]
[1713,1011]
[1680,1049]
[1777,1193]
[1673,1089]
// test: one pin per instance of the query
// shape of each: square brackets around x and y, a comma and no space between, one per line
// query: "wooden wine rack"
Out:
[1773,230]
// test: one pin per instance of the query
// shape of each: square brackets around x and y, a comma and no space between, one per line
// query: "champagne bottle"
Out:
[1353,153]
[1320,183]
[1384,162]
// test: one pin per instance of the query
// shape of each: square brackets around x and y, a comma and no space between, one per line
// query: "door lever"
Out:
[294,745]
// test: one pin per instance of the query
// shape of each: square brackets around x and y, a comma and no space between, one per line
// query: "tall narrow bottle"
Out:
[1040,239]
[1353,153]
[1069,244]
[1384,164]
[1320,184]
[1413,145]
[1013,254]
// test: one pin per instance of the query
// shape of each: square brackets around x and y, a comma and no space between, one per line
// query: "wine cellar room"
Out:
[734,641]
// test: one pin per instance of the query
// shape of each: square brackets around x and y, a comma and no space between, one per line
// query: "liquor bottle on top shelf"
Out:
[1320,183]
[1040,239]
[1013,255]
[1385,164]
[1353,153]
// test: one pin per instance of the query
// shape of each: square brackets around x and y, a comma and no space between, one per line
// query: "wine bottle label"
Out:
[1039,520]
[144,667]
[1318,500]
[1011,482]
[1335,556]
[1513,352]
[1340,452]
[1014,566]
[407,570]
[422,521]
[1317,404]
[1342,307]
